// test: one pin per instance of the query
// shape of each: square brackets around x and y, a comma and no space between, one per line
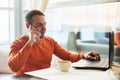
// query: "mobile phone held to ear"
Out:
[37,36]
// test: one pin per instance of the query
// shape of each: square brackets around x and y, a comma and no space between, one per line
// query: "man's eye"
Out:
[40,25]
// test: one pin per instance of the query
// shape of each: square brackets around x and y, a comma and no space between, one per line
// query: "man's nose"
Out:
[44,27]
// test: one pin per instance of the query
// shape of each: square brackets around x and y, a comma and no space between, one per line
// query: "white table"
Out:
[73,74]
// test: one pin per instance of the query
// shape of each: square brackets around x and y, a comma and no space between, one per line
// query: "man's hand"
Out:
[92,55]
[33,36]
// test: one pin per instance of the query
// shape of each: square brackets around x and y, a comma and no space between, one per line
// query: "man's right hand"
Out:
[32,37]
[92,55]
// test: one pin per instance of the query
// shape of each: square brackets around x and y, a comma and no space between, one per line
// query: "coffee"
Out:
[64,65]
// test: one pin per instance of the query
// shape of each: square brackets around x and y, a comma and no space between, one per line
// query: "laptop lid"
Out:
[102,43]
[111,50]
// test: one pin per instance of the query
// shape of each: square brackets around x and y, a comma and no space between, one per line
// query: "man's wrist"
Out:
[83,56]
[30,43]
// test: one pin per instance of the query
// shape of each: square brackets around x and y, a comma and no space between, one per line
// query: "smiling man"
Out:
[34,51]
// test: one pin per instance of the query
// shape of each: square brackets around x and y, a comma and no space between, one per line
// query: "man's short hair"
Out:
[32,13]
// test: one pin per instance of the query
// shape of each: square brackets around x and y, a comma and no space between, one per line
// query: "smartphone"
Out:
[37,36]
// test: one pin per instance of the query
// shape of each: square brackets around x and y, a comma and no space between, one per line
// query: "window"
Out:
[63,18]
[97,17]
[55,28]
[7,21]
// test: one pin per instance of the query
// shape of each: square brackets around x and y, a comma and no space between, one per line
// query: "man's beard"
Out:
[42,35]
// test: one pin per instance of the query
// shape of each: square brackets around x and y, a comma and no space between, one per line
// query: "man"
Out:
[117,38]
[35,51]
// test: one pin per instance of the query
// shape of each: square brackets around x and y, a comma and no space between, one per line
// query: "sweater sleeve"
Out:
[66,55]
[18,55]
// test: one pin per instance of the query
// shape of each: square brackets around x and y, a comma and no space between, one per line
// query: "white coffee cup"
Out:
[64,65]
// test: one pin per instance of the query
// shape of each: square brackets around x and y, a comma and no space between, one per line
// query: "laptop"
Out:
[105,51]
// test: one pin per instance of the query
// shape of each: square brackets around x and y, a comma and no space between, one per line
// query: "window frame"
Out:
[10,36]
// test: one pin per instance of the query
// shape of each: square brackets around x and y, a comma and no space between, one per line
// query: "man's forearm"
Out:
[17,61]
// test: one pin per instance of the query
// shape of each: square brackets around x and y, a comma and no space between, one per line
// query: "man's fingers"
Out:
[88,57]
[93,55]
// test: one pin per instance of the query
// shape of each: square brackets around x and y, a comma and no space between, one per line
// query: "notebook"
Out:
[105,50]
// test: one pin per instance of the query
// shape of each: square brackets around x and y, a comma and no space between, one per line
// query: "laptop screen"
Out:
[96,41]
[100,42]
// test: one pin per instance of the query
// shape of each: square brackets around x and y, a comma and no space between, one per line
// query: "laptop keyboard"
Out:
[102,63]
[87,63]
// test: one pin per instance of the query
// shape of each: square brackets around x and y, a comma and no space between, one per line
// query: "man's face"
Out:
[39,23]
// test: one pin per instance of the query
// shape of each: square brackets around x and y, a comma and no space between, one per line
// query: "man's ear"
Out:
[27,25]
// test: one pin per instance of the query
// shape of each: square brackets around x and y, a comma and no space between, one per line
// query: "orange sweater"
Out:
[117,39]
[24,58]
